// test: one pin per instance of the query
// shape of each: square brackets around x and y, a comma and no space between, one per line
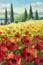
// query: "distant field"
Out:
[32,26]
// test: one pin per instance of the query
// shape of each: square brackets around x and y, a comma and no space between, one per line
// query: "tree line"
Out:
[30,14]
[26,16]
[11,15]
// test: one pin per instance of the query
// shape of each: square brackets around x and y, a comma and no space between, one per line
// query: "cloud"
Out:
[3,6]
[36,6]
[2,9]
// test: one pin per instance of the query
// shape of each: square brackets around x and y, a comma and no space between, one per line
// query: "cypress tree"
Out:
[5,16]
[30,12]
[25,15]
[36,15]
[12,14]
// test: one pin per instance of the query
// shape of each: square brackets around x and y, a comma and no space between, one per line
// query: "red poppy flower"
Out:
[13,59]
[3,51]
[1,56]
[36,37]
[12,45]
[17,35]
[26,40]
[4,38]
[26,32]
[41,38]
[39,60]
[0,32]
[38,45]
[29,54]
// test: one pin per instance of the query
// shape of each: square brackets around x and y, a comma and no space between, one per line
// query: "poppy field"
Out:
[22,43]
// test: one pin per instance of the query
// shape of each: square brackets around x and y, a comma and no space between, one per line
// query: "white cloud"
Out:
[36,5]
[2,9]
[3,6]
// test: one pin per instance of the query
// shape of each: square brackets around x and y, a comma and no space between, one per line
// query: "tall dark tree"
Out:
[5,16]
[25,15]
[30,12]
[36,15]
[12,14]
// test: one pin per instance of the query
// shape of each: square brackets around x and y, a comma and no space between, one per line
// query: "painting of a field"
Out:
[21,32]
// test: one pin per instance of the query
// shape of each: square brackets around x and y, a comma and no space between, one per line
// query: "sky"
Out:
[20,5]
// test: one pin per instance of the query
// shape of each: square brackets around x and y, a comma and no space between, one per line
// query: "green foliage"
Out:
[12,14]
[19,18]
[30,12]
[5,16]
[4,62]
[36,15]
[24,62]
[25,16]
